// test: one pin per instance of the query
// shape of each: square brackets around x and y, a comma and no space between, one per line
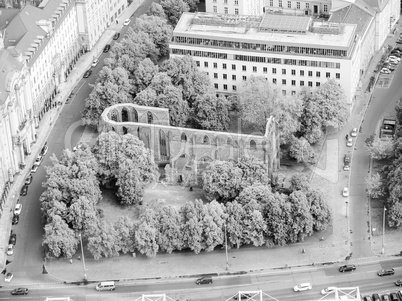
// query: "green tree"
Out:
[125,234]
[302,225]
[374,185]
[253,224]
[146,234]
[170,236]
[158,30]
[143,75]
[174,9]
[234,225]
[319,210]
[192,4]
[59,239]
[211,112]
[103,242]
[301,150]
[380,149]
[299,181]
[395,215]
[256,192]
[192,227]
[221,180]
[213,225]
[156,10]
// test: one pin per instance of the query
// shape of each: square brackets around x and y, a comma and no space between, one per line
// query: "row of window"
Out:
[258,59]
[273,71]
[310,74]
[225,10]
[302,83]
[289,5]
[236,2]
[259,47]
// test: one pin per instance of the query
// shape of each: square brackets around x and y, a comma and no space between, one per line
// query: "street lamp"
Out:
[83,258]
[383,230]
[226,250]
[347,208]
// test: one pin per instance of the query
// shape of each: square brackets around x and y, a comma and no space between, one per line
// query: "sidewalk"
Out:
[46,124]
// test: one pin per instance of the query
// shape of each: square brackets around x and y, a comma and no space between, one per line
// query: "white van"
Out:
[106,286]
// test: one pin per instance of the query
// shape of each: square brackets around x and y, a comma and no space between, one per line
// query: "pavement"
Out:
[328,247]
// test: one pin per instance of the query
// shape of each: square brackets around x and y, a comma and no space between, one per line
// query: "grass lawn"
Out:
[175,196]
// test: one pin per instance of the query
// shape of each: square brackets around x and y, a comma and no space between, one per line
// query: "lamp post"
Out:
[83,258]
[383,231]
[347,203]
[226,250]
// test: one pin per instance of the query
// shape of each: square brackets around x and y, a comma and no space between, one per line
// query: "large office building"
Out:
[293,44]
[235,7]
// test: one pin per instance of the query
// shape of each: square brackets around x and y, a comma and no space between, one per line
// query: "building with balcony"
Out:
[291,51]
[17,129]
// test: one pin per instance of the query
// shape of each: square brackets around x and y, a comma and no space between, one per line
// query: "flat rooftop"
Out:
[268,29]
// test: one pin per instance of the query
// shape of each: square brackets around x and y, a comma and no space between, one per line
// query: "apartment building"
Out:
[235,7]
[17,129]
[290,51]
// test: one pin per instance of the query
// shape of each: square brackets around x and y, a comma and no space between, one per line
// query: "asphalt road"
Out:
[67,130]
[278,285]
[382,103]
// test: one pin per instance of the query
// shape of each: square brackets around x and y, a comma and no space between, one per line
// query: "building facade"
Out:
[17,128]
[235,7]
[290,51]
[189,150]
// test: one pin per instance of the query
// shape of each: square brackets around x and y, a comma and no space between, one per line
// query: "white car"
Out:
[394,58]
[353,133]
[349,142]
[8,278]
[128,21]
[18,209]
[303,287]
[385,71]
[95,62]
[328,290]
[345,192]
[34,168]
[10,249]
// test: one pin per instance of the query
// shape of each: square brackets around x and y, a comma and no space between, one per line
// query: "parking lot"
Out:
[388,67]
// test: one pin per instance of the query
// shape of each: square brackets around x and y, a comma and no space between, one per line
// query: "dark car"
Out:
[24,190]
[398,282]
[367,298]
[116,36]
[13,238]
[20,291]
[204,280]
[15,220]
[87,73]
[242,297]
[376,297]
[44,149]
[28,179]
[394,297]
[385,297]
[386,272]
[107,48]
[347,268]
[346,159]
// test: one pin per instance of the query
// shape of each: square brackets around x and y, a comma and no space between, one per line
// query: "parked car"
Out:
[106,48]
[367,298]
[18,209]
[389,66]
[376,297]
[95,63]
[386,272]
[345,192]
[302,287]
[13,238]
[394,297]
[396,53]
[15,220]
[24,190]
[328,290]
[346,167]
[9,277]
[128,21]
[87,73]
[398,282]
[10,249]
[385,297]
[116,36]
[349,142]
[347,268]
[394,58]
[34,168]
[20,291]
[243,297]
[353,133]
[204,280]
[28,179]
[44,149]
[346,159]
[38,160]
[385,71]
[399,41]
